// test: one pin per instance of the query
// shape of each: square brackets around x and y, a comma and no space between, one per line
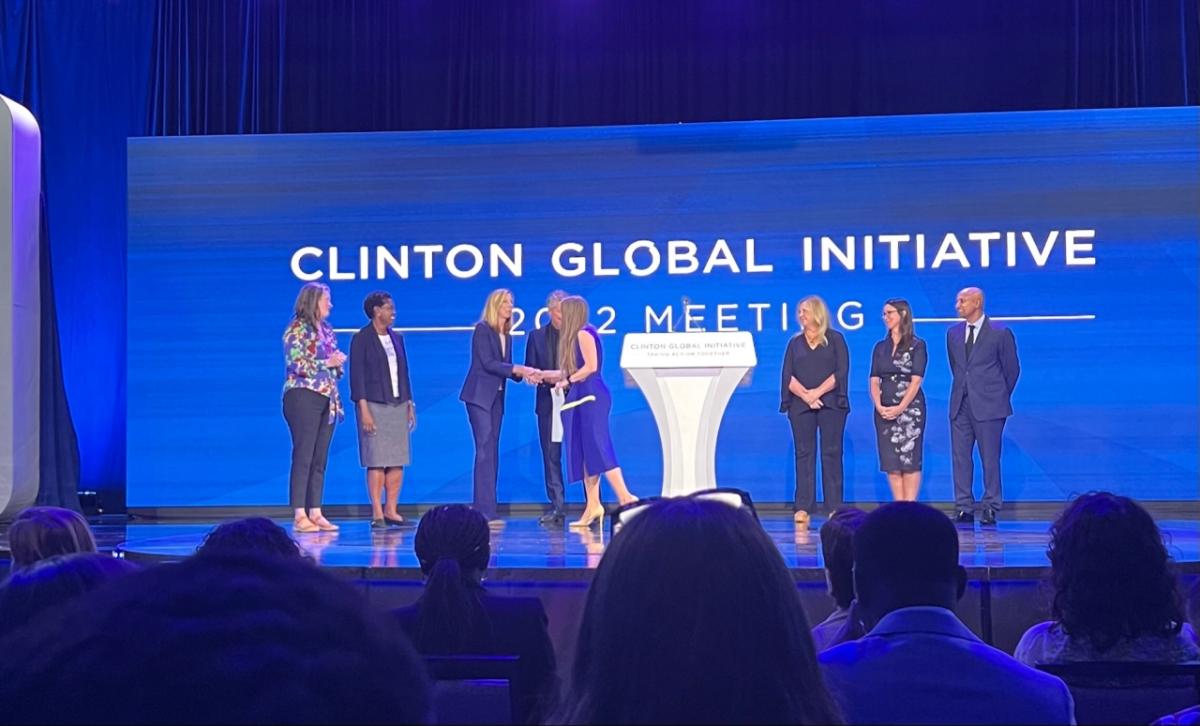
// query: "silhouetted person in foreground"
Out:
[1115,593]
[215,639]
[919,663]
[837,550]
[457,616]
[41,532]
[693,617]
[252,536]
[32,592]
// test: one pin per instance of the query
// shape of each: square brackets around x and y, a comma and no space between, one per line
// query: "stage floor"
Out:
[523,548]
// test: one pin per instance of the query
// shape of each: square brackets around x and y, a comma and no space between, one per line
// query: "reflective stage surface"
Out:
[521,545]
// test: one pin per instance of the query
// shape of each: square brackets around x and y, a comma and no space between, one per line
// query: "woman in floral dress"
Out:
[897,369]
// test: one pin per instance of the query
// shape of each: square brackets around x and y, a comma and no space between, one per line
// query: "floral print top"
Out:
[304,352]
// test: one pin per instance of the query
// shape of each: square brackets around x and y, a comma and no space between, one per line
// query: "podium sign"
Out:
[688,379]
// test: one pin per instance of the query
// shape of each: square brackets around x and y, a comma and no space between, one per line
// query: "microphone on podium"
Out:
[680,325]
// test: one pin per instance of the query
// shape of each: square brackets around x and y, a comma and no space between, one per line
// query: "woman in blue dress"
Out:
[585,425]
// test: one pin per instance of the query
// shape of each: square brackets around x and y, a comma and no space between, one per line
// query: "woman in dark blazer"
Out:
[816,367]
[382,393]
[483,392]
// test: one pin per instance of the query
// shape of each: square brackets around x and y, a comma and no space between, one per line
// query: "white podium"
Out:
[688,379]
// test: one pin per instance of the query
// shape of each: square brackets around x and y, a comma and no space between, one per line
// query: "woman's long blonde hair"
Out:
[574,317]
[819,314]
[491,312]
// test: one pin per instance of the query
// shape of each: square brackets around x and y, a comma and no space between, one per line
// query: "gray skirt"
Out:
[389,445]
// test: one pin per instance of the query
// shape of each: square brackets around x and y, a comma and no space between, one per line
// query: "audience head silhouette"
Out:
[837,549]
[39,588]
[1111,573]
[453,545]
[215,639]
[257,535]
[41,532]
[693,617]
[906,555]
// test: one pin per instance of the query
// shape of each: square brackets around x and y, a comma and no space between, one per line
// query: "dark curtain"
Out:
[59,446]
[81,68]
[366,65]
[96,72]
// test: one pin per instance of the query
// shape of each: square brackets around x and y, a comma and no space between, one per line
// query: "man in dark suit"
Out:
[983,361]
[541,352]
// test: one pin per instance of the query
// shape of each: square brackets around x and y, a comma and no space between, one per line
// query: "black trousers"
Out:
[832,425]
[485,427]
[551,461]
[307,416]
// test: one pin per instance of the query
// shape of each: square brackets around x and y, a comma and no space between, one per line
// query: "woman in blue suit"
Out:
[483,392]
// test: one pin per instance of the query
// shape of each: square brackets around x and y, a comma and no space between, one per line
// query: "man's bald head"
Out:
[969,303]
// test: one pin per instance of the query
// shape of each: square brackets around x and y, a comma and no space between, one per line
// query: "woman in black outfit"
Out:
[455,615]
[897,369]
[813,395]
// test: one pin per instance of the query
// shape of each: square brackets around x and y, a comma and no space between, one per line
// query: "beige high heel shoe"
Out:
[589,517]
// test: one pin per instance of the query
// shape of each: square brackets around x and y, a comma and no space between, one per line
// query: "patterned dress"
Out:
[900,440]
[304,352]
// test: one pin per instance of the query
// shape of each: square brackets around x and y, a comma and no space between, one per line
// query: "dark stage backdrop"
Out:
[95,73]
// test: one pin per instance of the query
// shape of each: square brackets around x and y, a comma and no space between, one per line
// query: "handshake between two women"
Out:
[537,377]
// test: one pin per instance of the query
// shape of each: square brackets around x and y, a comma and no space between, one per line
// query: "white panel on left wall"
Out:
[20,307]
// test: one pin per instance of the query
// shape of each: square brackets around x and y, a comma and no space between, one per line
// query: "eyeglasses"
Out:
[736,498]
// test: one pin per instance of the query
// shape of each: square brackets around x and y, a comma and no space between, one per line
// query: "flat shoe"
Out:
[325,525]
[304,525]
[378,524]
[394,522]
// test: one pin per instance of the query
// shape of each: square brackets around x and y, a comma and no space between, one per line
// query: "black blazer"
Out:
[370,377]
[490,368]
[511,626]
[538,354]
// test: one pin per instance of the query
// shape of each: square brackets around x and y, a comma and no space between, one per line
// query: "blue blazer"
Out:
[539,355]
[490,368]
[370,377]
[991,373]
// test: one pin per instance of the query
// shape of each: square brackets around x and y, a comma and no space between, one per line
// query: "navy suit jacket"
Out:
[991,373]
[538,355]
[370,377]
[490,368]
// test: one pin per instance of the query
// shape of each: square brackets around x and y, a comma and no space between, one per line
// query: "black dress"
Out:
[900,440]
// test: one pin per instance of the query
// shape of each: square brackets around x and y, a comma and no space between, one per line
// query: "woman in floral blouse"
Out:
[311,404]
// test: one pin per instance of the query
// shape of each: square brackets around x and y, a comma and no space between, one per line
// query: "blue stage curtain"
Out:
[81,68]
[59,446]
[96,72]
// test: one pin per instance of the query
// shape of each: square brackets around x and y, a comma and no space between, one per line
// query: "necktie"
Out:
[970,339]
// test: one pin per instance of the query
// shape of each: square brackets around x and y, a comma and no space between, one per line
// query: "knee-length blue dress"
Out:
[585,427]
